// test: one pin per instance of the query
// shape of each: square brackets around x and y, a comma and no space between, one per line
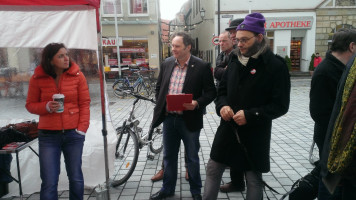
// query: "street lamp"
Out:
[202,13]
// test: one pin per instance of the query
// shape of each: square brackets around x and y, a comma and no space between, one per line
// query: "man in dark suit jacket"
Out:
[182,73]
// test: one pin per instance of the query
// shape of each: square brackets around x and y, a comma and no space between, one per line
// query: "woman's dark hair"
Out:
[342,40]
[47,55]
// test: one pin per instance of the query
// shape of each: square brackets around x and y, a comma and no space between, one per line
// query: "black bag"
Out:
[305,188]
[8,135]
[29,128]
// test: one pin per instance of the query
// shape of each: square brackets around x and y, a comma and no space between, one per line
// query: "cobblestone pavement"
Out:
[291,141]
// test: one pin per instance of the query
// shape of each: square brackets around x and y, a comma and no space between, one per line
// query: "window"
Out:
[138,7]
[134,51]
[345,3]
[270,36]
[108,7]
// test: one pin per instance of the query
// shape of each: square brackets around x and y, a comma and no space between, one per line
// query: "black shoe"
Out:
[197,196]
[160,195]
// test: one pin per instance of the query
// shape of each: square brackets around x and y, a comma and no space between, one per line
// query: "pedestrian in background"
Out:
[317,60]
[182,73]
[232,29]
[254,90]
[227,44]
[59,131]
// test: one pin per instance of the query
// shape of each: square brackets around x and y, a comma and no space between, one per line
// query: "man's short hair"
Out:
[225,32]
[342,39]
[187,39]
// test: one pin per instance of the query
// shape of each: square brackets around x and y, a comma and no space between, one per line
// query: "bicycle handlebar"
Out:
[137,96]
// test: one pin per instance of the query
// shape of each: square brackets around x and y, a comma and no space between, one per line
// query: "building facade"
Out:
[138,33]
[296,29]
[330,17]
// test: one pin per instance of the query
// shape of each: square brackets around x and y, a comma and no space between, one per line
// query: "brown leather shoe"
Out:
[229,187]
[186,174]
[158,176]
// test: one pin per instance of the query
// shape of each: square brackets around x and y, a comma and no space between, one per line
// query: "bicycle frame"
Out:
[133,125]
[131,140]
[132,85]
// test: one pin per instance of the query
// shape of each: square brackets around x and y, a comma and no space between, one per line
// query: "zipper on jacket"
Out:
[59,91]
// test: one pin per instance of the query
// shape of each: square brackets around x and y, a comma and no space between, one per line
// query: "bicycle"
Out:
[130,139]
[142,86]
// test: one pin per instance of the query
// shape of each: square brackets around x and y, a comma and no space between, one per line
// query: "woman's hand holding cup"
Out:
[53,106]
[57,103]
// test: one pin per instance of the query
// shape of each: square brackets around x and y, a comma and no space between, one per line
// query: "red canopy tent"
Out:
[36,39]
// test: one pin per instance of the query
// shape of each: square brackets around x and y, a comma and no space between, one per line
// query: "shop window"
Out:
[133,52]
[108,7]
[270,36]
[334,30]
[138,6]
[345,3]
[295,48]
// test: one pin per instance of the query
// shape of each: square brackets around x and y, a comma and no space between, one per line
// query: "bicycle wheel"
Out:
[156,138]
[149,88]
[143,89]
[126,156]
[120,84]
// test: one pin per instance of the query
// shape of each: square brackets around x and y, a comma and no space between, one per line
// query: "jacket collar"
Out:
[72,70]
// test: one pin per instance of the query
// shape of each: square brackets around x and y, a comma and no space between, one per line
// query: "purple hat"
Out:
[254,22]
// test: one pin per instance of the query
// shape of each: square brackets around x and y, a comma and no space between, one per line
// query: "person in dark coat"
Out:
[227,41]
[226,46]
[222,60]
[344,49]
[254,90]
[182,73]
[325,81]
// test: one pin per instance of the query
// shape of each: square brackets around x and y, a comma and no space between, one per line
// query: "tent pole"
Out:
[103,117]
[103,108]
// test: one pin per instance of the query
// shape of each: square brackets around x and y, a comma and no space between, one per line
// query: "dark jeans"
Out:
[51,144]
[175,130]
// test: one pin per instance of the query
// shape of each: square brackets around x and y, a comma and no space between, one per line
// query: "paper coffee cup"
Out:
[60,99]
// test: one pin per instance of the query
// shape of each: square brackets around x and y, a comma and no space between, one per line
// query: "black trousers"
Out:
[237,177]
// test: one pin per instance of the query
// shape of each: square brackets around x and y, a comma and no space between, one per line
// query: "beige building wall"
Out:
[328,20]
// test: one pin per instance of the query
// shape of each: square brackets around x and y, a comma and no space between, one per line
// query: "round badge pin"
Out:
[253,71]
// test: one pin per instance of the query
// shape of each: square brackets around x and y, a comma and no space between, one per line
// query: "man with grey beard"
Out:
[254,90]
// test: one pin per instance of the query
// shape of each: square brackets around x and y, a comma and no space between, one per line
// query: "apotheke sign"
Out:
[277,23]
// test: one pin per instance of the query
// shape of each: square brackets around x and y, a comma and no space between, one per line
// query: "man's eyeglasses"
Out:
[243,40]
